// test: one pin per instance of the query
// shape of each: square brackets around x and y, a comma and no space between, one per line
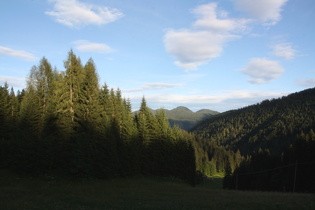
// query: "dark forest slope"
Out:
[272,124]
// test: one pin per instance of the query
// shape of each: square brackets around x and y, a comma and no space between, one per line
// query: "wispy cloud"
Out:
[17,53]
[76,14]
[306,82]
[153,86]
[223,101]
[204,40]
[220,98]
[284,50]
[266,11]
[86,46]
[13,81]
[262,70]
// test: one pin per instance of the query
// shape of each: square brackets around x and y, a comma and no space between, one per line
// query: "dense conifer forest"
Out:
[277,139]
[65,123]
[272,124]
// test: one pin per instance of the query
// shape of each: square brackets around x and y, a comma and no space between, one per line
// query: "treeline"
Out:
[293,170]
[212,159]
[271,124]
[276,140]
[63,122]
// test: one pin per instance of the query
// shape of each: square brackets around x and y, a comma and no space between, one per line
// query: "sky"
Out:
[217,55]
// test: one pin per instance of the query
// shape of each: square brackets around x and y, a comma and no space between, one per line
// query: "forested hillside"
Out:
[64,122]
[272,124]
[277,139]
[184,118]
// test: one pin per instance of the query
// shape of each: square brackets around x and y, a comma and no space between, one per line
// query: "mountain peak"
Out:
[184,117]
[182,109]
[207,111]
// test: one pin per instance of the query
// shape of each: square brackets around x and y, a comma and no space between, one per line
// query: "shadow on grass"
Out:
[135,193]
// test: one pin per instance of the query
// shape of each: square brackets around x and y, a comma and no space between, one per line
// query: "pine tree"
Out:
[41,82]
[13,111]
[104,114]
[146,123]
[128,127]
[29,116]
[4,112]
[89,104]
[69,94]
[164,130]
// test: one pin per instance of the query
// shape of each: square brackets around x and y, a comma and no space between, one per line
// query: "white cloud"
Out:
[222,101]
[13,81]
[209,17]
[284,50]
[266,11]
[306,82]
[76,14]
[86,46]
[194,48]
[153,86]
[204,40]
[17,53]
[262,70]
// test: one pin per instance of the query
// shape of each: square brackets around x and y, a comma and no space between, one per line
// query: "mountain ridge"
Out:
[185,118]
[272,124]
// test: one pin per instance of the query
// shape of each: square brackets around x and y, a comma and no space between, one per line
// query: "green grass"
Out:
[135,193]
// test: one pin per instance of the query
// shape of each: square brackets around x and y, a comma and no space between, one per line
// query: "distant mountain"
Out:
[185,118]
[272,124]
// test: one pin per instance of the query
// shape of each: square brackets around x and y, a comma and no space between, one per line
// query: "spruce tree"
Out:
[30,114]
[128,127]
[69,94]
[13,112]
[89,104]
[146,123]
[41,81]
[163,126]
[4,112]
[104,114]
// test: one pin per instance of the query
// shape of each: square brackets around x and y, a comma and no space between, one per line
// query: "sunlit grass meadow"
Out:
[136,193]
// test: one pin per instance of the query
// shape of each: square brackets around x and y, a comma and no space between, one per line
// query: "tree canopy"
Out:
[64,121]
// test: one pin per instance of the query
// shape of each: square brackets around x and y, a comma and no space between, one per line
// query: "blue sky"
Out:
[218,55]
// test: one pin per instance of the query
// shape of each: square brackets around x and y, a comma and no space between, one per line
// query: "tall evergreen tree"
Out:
[128,128]
[12,113]
[89,104]
[104,113]
[164,131]
[69,94]
[5,112]
[146,123]
[29,117]
[41,82]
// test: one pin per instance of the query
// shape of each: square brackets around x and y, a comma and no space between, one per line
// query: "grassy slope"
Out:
[135,193]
